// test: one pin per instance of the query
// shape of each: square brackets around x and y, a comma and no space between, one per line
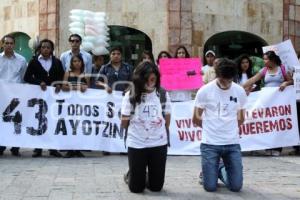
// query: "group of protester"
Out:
[227,84]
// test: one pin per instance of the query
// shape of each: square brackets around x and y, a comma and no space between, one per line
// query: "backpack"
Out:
[163,99]
[282,68]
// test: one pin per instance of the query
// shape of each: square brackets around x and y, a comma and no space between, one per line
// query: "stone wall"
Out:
[19,16]
[150,17]
[263,18]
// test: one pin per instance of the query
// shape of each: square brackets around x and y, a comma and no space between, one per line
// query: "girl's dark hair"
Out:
[187,55]
[239,66]
[140,77]
[226,68]
[160,55]
[82,63]
[273,57]
[149,53]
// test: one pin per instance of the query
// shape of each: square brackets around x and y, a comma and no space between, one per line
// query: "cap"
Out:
[210,51]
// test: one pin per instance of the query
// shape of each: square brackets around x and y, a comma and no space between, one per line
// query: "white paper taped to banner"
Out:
[91,121]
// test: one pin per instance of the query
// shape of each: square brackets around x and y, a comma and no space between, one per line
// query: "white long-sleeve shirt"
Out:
[12,69]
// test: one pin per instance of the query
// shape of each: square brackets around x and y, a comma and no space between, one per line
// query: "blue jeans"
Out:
[232,158]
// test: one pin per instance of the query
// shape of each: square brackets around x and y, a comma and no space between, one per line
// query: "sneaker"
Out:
[267,152]
[69,154]
[201,178]
[126,177]
[15,153]
[105,153]
[55,153]
[79,154]
[36,154]
[275,153]
[294,152]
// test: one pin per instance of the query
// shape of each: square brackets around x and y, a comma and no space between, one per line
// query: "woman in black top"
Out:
[75,79]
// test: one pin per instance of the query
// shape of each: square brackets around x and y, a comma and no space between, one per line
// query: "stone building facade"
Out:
[167,23]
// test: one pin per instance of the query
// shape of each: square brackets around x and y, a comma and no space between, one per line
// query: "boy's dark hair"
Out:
[226,68]
[47,41]
[75,35]
[116,48]
[8,36]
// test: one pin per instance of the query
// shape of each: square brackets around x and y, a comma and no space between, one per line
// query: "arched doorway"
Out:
[132,41]
[231,44]
[21,45]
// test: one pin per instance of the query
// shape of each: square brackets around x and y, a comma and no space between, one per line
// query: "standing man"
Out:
[98,61]
[12,69]
[115,75]
[219,112]
[118,73]
[44,70]
[75,42]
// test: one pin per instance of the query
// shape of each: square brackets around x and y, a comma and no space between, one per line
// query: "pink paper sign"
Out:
[181,73]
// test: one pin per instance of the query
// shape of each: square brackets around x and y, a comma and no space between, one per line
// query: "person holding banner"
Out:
[12,69]
[44,70]
[219,111]
[181,95]
[274,74]
[75,79]
[147,120]
[118,74]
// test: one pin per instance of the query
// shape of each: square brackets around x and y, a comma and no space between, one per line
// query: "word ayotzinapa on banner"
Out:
[42,119]
[181,73]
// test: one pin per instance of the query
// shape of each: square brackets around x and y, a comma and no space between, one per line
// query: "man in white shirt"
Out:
[12,69]
[75,42]
[219,112]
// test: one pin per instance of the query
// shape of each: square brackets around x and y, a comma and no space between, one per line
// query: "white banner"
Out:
[36,119]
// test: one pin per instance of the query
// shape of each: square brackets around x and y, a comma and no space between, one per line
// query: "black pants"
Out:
[297,148]
[139,159]
[2,148]
[41,150]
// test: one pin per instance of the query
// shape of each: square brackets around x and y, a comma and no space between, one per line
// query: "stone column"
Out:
[180,24]
[291,22]
[49,21]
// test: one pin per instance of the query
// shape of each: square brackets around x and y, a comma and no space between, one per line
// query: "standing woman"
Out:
[181,95]
[75,79]
[245,71]
[274,74]
[162,54]
[147,120]
[147,56]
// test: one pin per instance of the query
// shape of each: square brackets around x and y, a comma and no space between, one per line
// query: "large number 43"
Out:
[17,117]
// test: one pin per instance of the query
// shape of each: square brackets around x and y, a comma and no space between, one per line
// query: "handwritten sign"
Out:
[181,73]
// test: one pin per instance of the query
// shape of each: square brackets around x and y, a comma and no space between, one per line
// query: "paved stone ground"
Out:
[101,177]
